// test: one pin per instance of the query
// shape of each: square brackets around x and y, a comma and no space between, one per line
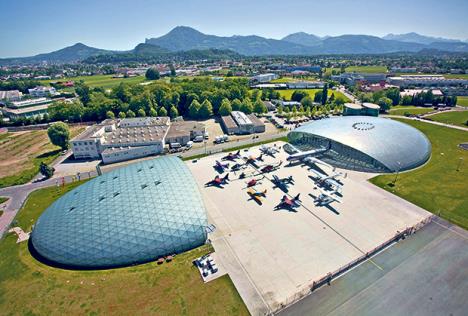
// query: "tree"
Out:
[152,74]
[173,72]
[298,95]
[46,170]
[259,107]
[318,97]
[394,95]
[122,115]
[59,135]
[206,110]
[307,101]
[194,108]
[130,113]
[384,103]
[162,111]
[141,113]
[152,112]
[225,108]
[324,94]
[280,110]
[110,115]
[246,106]
[236,105]
[173,112]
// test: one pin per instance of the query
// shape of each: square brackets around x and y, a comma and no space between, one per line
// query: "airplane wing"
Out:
[318,174]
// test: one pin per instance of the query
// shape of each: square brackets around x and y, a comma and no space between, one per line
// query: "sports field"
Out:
[367,69]
[462,101]
[22,152]
[28,287]
[451,117]
[286,94]
[440,185]
[103,81]
[402,110]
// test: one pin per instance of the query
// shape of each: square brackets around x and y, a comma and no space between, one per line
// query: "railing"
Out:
[326,279]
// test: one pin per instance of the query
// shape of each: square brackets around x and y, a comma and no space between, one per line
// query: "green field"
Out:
[286,94]
[402,110]
[367,69]
[462,101]
[104,81]
[28,287]
[452,117]
[437,186]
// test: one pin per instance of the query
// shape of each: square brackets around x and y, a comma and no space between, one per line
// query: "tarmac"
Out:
[273,257]
[425,274]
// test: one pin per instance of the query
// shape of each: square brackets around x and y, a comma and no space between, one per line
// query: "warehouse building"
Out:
[241,123]
[182,132]
[127,216]
[364,143]
[367,109]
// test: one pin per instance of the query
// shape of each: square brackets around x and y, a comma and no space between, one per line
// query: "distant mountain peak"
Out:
[414,37]
[302,38]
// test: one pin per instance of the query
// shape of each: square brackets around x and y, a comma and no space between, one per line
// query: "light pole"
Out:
[397,172]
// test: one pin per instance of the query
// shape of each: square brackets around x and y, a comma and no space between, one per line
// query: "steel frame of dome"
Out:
[130,215]
[364,143]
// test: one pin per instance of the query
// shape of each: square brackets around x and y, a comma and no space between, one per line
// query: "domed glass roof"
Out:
[396,145]
[130,215]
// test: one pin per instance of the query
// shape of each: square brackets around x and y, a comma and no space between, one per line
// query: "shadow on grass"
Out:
[49,154]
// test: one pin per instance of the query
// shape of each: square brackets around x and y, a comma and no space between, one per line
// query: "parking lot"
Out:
[273,255]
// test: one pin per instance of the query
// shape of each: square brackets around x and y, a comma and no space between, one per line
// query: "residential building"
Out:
[41,91]
[11,95]
[264,77]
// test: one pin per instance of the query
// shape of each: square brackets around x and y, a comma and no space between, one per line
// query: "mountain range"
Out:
[200,45]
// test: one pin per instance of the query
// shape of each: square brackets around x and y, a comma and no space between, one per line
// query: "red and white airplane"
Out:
[288,203]
[218,181]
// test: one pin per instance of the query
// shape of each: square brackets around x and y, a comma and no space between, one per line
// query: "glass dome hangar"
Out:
[127,216]
[364,143]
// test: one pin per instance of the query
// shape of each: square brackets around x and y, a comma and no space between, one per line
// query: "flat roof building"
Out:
[240,123]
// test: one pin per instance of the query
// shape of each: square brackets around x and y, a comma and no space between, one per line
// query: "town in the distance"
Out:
[236,175]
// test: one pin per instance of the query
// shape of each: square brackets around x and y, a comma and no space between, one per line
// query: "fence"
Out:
[326,279]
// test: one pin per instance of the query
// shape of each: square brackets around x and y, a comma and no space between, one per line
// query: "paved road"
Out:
[426,274]
[18,194]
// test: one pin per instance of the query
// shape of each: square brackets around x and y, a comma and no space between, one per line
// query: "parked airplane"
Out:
[237,167]
[326,198]
[252,183]
[256,195]
[270,168]
[218,181]
[328,180]
[269,150]
[315,161]
[220,166]
[300,155]
[232,156]
[283,183]
[289,204]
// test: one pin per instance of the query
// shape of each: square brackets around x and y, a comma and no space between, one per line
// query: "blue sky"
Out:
[32,27]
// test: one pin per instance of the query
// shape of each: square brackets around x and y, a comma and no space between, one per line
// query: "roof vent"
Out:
[102,197]
[115,194]
[71,208]
[143,186]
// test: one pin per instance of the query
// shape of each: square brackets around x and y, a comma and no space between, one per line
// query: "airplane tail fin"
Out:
[264,192]
[226,177]
[238,153]
[297,197]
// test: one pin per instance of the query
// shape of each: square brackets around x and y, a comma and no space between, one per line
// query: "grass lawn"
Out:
[401,110]
[462,101]
[104,81]
[288,93]
[22,152]
[452,117]
[3,199]
[28,287]
[367,69]
[437,186]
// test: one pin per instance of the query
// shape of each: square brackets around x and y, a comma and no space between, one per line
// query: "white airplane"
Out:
[328,180]
[269,150]
[301,155]
[316,161]
[326,198]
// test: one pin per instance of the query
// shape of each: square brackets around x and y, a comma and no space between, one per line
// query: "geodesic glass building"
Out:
[130,215]
[364,143]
